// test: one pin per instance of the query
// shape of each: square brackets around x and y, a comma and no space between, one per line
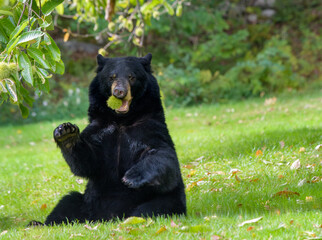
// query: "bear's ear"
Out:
[100,60]
[146,62]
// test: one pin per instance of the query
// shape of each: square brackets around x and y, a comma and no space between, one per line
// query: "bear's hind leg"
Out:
[160,206]
[71,208]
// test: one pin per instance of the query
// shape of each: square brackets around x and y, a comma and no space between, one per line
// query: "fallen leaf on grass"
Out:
[302,149]
[250,228]
[250,221]
[91,228]
[195,229]
[79,181]
[286,193]
[309,199]
[254,180]
[161,230]
[296,165]
[43,207]
[301,183]
[318,147]
[237,178]
[133,220]
[215,237]
[76,235]
[259,153]
[173,224]
[281,225]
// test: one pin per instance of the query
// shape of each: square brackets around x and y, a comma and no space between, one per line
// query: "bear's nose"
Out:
[119,92]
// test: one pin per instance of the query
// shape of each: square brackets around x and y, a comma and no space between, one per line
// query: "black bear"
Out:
[126,154]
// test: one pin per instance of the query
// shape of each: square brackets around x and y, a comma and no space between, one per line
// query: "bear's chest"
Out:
[122,148]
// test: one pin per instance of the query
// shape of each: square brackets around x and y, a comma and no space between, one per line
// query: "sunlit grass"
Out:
[236,162]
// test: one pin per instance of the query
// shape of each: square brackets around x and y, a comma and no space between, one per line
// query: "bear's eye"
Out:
[131,78]
[112,77]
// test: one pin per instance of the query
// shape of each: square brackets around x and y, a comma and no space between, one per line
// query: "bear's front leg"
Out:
[66,135]
[159,169]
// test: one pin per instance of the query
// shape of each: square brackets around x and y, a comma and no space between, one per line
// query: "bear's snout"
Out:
[119,92]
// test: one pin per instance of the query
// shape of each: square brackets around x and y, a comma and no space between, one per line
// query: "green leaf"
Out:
[10,86]
[169,8]
[12,44]
[133,220]
[24,110]
[3,36]
[60,9]
[49,19]
[31,35]
[19,29]
[25,94]
[2,87]
[7,25]
[60,67]
[38,56]
[25,65]
[49,6]
[6,12]
[52,47]
[195,229]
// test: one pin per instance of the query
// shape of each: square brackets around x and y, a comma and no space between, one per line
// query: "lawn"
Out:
[254,160]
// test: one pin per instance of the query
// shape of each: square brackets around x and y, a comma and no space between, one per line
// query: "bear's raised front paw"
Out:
[66,132]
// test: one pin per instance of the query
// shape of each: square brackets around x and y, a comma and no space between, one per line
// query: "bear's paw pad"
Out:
[65,131]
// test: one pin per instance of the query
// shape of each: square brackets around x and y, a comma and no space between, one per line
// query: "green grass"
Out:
[213,143]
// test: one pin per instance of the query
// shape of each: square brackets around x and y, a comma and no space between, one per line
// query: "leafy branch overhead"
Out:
[28,54]
[125,20]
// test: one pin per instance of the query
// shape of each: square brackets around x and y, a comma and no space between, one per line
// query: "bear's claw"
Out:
[65,131]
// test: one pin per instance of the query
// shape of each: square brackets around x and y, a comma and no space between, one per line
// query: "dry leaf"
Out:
[309,198]
[280,176]
[161,230]
[286,193]
[250,228]
[250,221]
[43,207]
[237,178]
[254,180]
[318,147]
[91,228]
[173,224]
[259,152]
[292,221]
[234,171]
[301,183]
[296,164]
[215,237]
[79,181]
[302,149]
[76,235]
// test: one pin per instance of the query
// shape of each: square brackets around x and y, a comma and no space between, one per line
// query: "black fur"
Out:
[129,159]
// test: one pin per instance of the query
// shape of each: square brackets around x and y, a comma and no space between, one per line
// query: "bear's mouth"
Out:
[126,102]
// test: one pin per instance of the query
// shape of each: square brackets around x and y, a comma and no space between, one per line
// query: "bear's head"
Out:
[123,86]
